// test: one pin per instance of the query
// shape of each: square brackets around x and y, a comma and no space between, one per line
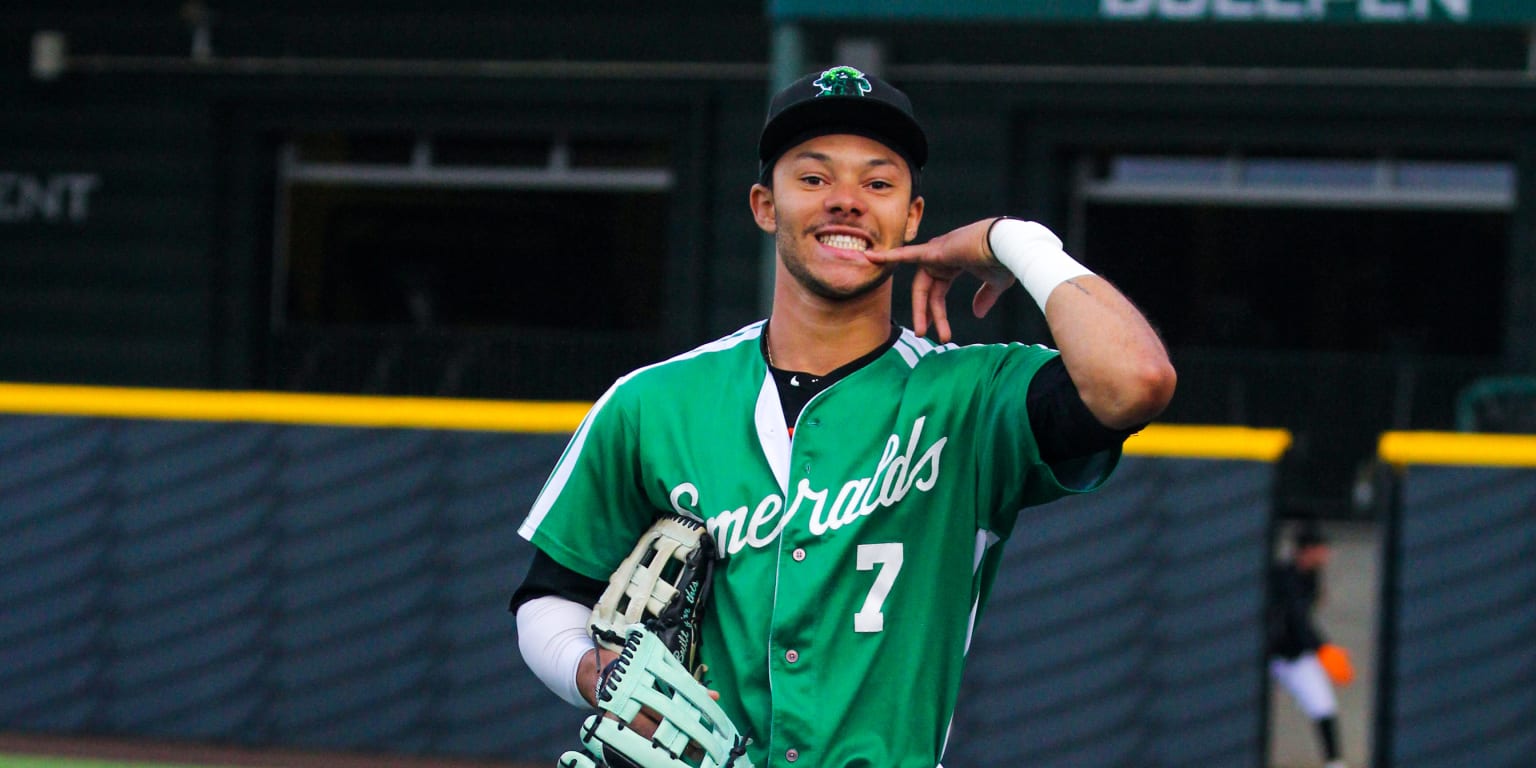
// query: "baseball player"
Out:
[1295,642]
[856,477]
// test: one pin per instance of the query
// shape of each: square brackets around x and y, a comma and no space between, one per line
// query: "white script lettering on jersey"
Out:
[895,475]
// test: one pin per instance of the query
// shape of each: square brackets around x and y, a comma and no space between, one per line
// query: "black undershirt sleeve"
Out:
[547,577]
[1064,427]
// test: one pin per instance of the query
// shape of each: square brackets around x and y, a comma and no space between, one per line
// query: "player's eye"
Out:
[812,180]
[881,184]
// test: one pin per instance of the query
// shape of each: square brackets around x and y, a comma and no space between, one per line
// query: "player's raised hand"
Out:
[939,261]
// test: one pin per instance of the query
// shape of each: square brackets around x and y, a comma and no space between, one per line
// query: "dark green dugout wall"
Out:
[213,569]
[165,278]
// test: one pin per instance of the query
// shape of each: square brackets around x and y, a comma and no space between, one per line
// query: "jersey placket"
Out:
[791,662]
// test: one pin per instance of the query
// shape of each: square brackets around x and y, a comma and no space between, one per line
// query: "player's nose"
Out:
[846,198]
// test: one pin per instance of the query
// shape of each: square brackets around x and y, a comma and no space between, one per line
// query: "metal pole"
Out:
[1530,51]
[786,60]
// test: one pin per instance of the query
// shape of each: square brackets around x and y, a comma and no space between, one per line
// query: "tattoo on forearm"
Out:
[1073,282]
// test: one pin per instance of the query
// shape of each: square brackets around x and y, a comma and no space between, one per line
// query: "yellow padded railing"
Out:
[1457,448]
[292,408]
[1169,440]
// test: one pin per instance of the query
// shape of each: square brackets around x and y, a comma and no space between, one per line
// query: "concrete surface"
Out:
[1347,616]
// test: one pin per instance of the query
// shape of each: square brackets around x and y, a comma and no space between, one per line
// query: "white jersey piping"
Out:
[562,473]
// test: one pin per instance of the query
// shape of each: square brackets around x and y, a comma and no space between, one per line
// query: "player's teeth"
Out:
[846,242]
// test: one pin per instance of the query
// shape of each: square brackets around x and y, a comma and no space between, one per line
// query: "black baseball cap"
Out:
[841,100]
[1310,535]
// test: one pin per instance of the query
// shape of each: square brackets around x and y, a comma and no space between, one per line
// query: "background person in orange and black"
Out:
[1300,658]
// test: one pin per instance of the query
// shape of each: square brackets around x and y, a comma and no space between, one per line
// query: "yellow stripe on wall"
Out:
[291,408]
[1196,442]
[1457,448]
[1169,440]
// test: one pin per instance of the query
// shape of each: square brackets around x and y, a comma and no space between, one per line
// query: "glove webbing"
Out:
[648,676]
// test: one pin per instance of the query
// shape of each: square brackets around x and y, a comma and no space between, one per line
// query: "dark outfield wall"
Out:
[1458,681]
[312,586]
[1126,628]
[341,587]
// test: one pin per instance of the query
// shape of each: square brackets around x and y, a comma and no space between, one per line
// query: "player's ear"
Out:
[761,200]
[914,218]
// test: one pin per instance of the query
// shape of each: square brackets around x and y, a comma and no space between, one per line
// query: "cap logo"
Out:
[843,81]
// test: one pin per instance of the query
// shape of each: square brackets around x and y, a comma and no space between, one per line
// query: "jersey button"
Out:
[798,554]
[792,755]
[813,423]
[791,655]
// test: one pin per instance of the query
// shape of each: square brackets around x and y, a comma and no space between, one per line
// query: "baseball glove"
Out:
[663,585]
[1336,663]
[691,729]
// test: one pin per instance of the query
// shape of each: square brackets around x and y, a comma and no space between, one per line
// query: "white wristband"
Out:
[1034,255]
[552,635]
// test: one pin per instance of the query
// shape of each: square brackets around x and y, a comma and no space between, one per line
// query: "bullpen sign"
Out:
[1288,10]
[1493,12]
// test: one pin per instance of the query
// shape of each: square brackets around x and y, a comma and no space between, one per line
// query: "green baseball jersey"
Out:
[855,556]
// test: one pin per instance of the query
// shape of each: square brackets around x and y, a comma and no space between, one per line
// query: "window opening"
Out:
[471,231]
[1237,180]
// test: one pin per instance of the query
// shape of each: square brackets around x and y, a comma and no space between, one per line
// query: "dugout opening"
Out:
[1295,292]
[525,264]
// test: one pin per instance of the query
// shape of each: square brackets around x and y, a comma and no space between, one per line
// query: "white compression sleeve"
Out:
[1034,255]
[552,635]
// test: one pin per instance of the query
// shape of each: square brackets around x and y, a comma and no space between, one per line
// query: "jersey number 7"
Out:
[888,556]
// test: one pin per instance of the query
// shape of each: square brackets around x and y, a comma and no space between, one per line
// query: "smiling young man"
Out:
[834,199]
[855,476]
